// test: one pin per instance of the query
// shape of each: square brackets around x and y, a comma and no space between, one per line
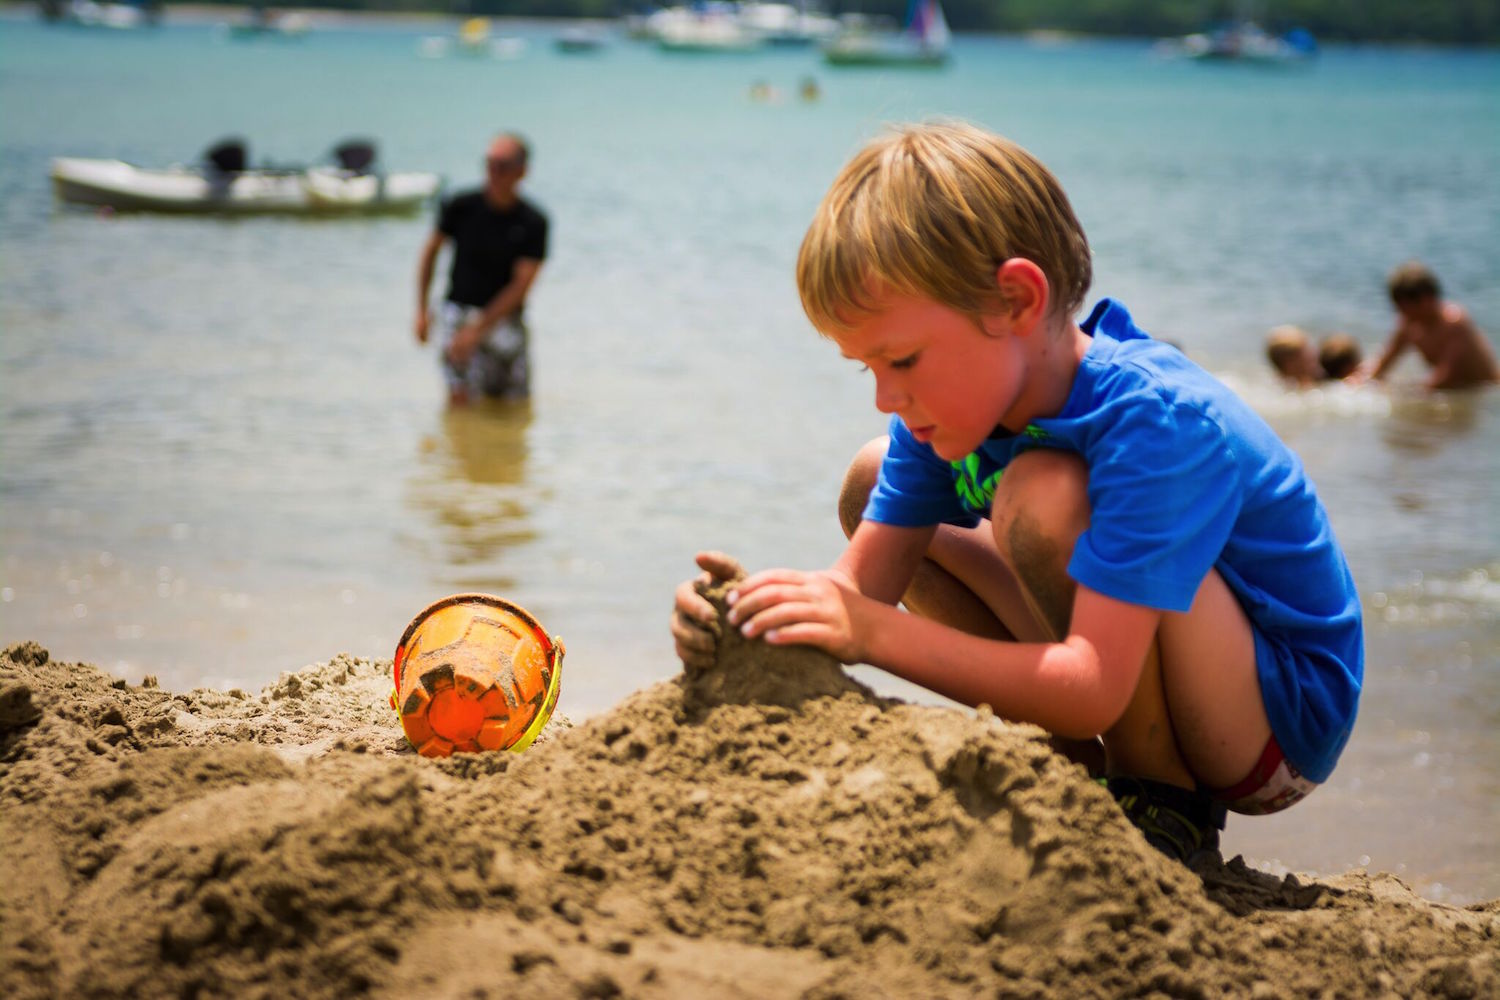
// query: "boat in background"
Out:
[473,39]
[223,185]
[268,22]
[923,44]
[104,14]
[1243,41]
[708,27]
[474,36]
[581,38]
[723,26]
[785,24]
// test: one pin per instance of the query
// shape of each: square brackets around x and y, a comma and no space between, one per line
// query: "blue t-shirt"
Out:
[1183,477]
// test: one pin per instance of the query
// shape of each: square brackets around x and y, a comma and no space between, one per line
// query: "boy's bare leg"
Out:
[1213,686]
[964,584]
[944,588]
[1197,715]
[1039,511]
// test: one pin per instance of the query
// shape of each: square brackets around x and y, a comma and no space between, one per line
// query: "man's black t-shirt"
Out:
[486,244]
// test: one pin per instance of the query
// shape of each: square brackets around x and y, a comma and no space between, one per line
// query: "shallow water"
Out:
[222,455]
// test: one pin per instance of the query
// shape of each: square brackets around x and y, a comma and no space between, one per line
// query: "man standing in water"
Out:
[499,243]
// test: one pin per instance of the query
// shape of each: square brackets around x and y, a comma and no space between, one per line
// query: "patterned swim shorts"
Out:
[498,369]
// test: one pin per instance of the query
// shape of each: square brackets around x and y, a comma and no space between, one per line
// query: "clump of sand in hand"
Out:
[752,671]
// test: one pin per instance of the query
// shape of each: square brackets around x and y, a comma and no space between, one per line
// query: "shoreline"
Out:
[745,832]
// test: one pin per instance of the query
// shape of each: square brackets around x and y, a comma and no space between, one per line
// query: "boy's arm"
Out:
[1077,688]
[1394,348]
[881,559]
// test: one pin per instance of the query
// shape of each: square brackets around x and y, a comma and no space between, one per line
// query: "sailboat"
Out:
[1244,40]
[923,43]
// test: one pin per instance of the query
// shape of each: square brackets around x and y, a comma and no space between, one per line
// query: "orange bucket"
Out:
[474,672]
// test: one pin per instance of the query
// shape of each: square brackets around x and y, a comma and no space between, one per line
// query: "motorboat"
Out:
[266,22]
[581,38]
[783,24]
[224,185]
[1246,41]
[105,14]
[1242,39]
[709,27]
[923,43]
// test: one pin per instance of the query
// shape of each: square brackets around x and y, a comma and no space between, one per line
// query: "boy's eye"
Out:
[904,363]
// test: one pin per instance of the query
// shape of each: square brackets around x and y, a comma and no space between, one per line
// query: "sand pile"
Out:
[803,840]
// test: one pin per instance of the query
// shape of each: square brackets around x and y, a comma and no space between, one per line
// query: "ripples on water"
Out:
[221,456]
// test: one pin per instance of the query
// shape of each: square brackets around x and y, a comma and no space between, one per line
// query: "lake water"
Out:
[223,456]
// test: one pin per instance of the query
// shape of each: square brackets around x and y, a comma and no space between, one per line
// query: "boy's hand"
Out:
[784,606]
[693,617]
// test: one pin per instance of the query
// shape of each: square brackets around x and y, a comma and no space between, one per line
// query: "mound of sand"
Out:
[711,836]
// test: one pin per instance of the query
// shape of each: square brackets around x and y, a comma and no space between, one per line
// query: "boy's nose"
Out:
[888,397]
[890,393]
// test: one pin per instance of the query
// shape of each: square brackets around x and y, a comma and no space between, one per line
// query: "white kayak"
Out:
[311,191]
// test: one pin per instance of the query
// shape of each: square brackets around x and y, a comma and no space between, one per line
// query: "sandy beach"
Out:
[768,828]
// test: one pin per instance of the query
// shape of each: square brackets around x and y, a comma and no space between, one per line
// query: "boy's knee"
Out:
[1041,507]
[859,481]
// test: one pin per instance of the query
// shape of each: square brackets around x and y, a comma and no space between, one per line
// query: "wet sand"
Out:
[765,829]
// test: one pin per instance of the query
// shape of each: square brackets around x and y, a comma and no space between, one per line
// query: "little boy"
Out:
[1339,356]
[1092,533]
[1459,355]
[1292,354]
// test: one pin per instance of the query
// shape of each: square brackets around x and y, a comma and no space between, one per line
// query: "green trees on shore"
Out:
[1458,22]
[1454,22]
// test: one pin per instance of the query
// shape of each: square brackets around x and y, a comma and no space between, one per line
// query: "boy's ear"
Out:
[1025,294]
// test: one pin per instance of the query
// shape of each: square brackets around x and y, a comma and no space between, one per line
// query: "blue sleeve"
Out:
[915,488]
[1165,491]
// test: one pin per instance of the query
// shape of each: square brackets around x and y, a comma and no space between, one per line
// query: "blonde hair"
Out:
[932,211]
[1284,346]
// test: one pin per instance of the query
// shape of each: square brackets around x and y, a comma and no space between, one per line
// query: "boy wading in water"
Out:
[1457,353]
[1091,532]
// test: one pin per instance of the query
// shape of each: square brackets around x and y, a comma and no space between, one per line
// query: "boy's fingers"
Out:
[695,645]
[765,588]
[720,566]
[693,606]
[690,636]
[779,614]
[799,633]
